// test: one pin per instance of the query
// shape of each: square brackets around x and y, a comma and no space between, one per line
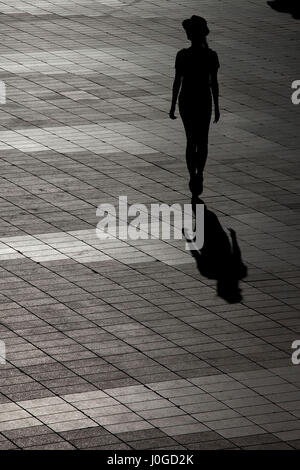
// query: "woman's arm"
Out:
[215,93]
[176,89]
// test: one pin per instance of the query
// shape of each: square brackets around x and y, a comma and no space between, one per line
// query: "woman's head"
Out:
[196,28]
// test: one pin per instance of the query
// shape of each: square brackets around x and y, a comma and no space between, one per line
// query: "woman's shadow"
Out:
[220,257]
[286,6]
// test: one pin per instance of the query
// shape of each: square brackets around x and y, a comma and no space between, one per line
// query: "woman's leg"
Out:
[192,160]
[202,143]
[191,139]
[191,153]
[201,156]
[196,129]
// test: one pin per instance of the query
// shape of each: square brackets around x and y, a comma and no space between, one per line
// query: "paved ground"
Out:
[123,344]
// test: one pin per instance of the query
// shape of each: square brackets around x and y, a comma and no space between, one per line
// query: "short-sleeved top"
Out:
[196,68]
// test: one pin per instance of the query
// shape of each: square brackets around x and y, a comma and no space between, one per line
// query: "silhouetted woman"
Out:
[197,84]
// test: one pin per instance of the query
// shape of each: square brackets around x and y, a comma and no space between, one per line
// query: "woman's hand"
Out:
[172,113]
[217,115]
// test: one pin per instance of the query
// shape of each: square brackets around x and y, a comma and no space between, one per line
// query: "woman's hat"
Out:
[196,25]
